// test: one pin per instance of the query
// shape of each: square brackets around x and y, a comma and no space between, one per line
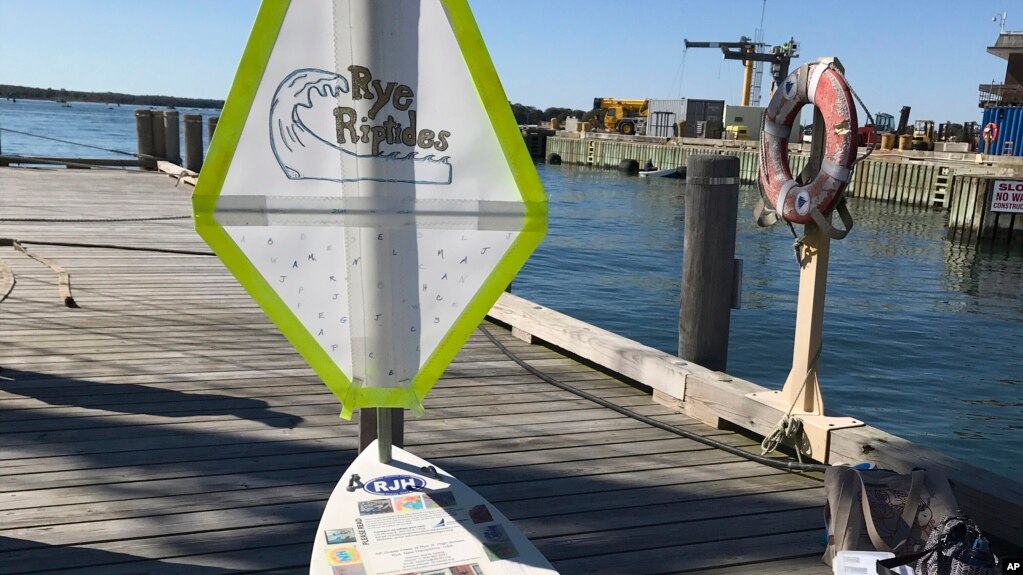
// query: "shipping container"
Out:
[703,118]
[663,117]
[1010,131]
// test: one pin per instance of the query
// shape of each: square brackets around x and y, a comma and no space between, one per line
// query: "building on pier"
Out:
[1002,102]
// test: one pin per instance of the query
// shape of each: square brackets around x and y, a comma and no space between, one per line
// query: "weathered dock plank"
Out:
[165,426]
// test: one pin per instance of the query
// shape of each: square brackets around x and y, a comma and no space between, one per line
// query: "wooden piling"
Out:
[172,136]
[193,142]
[211,125]
[159,136]
[712,201]
[144,134]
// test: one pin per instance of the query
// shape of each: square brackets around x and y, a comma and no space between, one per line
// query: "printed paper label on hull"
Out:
[433,524]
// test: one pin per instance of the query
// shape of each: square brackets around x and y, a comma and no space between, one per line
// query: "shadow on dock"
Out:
[128,398]
[106,494]
[74,559]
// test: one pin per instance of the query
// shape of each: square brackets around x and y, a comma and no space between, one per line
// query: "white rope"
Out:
[788,427]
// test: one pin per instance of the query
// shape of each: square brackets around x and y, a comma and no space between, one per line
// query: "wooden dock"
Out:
[165,426]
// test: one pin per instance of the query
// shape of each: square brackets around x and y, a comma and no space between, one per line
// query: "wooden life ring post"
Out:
[990,135]
[801,395]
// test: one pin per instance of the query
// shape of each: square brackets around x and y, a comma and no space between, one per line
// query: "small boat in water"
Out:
[679,172]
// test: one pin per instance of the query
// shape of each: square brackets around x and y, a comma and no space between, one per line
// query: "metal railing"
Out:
[998,94]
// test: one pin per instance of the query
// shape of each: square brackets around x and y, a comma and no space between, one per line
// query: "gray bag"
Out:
[880,510]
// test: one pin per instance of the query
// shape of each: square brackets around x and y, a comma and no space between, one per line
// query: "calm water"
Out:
[99,125]
[923,337]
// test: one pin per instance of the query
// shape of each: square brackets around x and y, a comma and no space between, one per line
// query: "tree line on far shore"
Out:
[524,115]
[24,92]
[529,115]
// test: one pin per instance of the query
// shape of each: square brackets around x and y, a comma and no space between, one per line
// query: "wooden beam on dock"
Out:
[718,399]
[184,175]
[15,160]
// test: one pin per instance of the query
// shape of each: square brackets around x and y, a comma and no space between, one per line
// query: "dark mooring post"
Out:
[368,426]
[144,132]
[193,142]
[708,263]
[172,136]
[159,136]
[211,125]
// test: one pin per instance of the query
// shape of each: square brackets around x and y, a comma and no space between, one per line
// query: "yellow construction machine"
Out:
[623,116]
[923,135]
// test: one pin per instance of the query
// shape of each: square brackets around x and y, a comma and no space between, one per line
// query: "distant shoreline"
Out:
[28,93]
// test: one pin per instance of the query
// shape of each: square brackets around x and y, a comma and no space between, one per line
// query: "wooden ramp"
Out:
[165,426]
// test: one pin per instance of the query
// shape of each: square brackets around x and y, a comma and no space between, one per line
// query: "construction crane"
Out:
[748,52]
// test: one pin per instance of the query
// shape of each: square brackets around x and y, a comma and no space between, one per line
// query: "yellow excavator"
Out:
[623,116]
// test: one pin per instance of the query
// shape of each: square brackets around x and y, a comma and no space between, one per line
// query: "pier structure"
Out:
[1002,102]
[164,425]
[951,181]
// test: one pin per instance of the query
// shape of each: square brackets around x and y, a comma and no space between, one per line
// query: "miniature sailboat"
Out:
[401,203]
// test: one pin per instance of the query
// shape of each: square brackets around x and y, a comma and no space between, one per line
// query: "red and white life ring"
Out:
[823,86]
[991,131]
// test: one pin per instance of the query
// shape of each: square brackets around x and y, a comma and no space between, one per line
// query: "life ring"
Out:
[991,131]
[820,84]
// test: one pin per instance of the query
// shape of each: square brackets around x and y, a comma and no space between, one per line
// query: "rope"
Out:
[29,160]
[180,176]
[775,463]
[123,153]
[118,247]
[63,277]
[788,427]
[92,220]
[797,243]
[8,280]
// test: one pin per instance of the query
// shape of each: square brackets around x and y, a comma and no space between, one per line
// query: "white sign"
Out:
[1007,196]
[369,187]
[407,517]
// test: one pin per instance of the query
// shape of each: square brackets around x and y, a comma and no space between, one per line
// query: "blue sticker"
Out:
[790,89]
[802,203]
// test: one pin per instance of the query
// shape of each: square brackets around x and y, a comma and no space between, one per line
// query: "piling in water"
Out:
[144,133]
[211,125]
[193,142]
[708,268]
[172,138]
[159,136]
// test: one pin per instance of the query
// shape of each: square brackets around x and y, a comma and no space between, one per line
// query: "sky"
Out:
[930,55]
